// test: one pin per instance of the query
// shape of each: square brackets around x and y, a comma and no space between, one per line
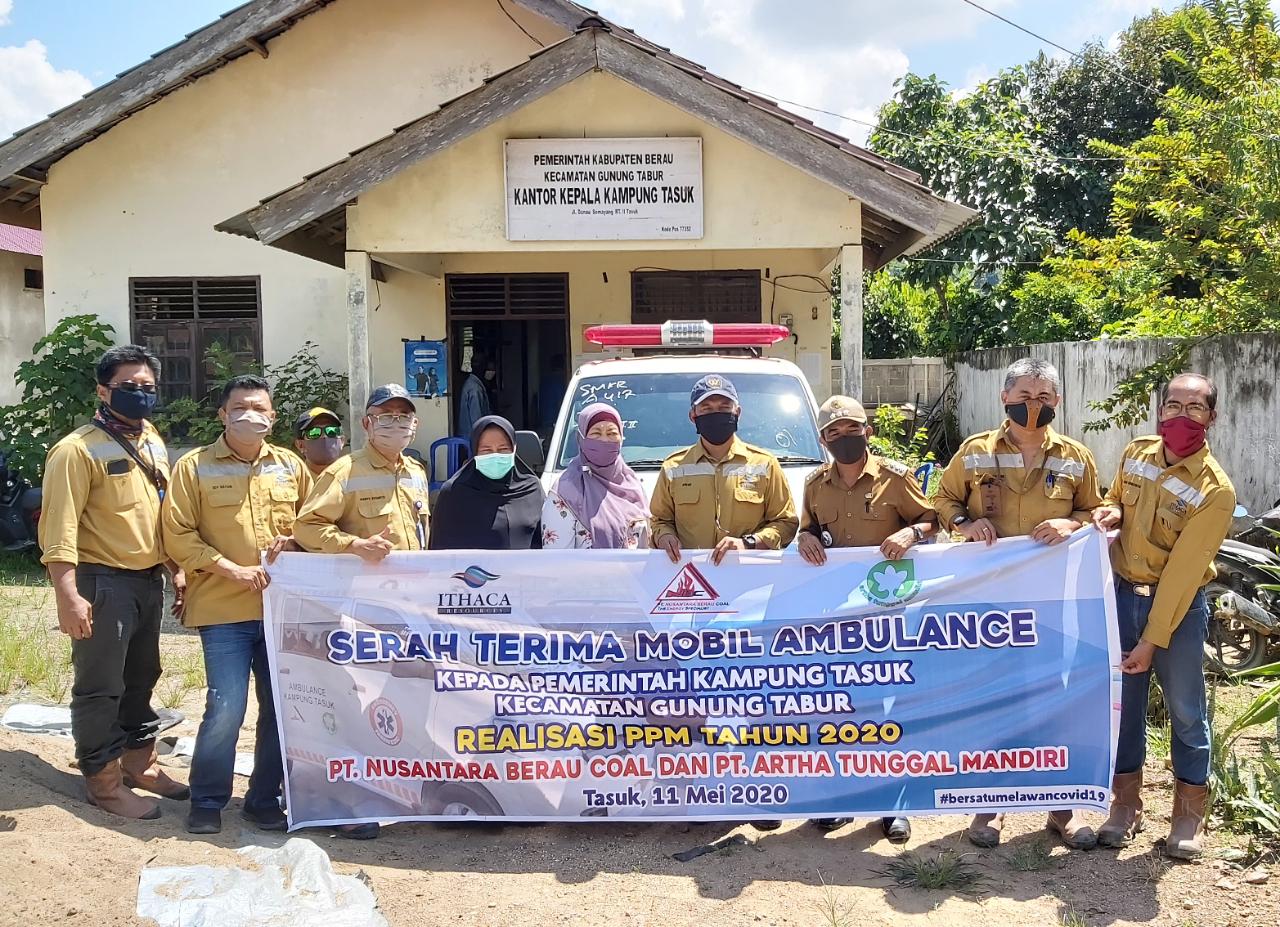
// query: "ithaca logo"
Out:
[688,592]
[474,602]
[891,582]
[475,576]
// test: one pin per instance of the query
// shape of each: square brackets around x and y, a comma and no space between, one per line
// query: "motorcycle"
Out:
[1244,599]
[20,504]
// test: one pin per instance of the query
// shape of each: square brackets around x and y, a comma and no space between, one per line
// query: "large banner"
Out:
[543,685]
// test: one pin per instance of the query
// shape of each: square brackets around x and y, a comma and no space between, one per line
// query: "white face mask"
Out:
[248,425]
[391,440]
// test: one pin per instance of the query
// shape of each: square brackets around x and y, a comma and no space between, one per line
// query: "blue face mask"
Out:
[495,466]
[134,405]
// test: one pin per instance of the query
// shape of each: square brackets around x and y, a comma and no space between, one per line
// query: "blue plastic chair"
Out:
[455,448]
[923,474]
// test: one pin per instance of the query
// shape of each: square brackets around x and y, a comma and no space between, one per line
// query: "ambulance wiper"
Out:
[652,463]
[788,459]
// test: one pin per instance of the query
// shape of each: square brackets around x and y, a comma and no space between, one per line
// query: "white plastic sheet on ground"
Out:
[293,886]
[185,748]
[38,719]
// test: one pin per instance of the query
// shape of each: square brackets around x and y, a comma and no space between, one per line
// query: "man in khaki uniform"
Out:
[1023,478]
[860,500]
[100,533]
[1173,503]
[720,494]
[373,501]
[227,504]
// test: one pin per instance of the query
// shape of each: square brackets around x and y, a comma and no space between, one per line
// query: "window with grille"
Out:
[714,295]
[507,296]
[178,319]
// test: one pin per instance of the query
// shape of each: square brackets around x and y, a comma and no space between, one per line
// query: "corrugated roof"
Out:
[21,240]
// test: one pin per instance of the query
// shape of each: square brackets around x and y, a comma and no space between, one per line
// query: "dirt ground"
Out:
[62,861]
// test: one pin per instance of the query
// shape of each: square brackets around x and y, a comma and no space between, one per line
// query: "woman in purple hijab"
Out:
[597,501]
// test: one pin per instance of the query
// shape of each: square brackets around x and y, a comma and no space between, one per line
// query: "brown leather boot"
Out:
[1190,802]
[1073,830]
[1124,822]
[141,772]
[107,791]
[984,830]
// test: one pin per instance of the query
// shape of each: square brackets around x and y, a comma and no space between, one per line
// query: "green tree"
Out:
[57,385]
[1196,210]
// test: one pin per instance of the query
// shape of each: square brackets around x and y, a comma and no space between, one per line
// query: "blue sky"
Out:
[841,55]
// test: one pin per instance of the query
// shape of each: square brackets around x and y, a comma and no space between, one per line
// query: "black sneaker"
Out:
[366,831]
[897,830]
[266,818]
[766,825]
[204,821]
[830,823]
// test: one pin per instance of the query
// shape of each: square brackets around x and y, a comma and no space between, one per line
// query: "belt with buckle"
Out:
[1146,590]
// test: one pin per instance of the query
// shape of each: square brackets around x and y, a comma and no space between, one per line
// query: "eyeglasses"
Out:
[325,431]
[1193,409]
[129,386]
[394,418]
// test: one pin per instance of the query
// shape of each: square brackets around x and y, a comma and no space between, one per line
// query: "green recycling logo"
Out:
[891,582]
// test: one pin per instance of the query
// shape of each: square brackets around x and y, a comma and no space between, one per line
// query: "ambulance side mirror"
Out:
[529,449]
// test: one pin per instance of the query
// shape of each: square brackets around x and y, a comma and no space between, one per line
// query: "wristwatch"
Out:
[919,535]
[959,520]
[749,541]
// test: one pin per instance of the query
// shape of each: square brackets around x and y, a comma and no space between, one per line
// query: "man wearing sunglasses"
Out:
[318,438]
[100,533]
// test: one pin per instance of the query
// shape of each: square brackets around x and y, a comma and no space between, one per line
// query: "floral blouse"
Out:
[561,529]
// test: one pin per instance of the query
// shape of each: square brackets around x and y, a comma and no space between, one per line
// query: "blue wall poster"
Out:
[426,368]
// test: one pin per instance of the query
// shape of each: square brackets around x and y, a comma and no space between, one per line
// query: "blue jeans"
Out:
[230,652]
[1180,668]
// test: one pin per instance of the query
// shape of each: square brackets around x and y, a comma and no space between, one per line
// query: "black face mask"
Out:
[1020,414]
[716,427]
[134,405]
[848,449]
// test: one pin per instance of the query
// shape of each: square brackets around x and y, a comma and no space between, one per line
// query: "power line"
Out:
[1115,69]
[518,26]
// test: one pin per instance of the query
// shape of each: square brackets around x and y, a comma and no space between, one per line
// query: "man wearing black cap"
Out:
[318,438]
[375,500]
[721,494]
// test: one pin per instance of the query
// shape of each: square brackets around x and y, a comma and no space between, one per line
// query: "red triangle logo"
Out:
[689,583]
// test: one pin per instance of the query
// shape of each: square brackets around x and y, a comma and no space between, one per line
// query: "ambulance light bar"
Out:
[687,334]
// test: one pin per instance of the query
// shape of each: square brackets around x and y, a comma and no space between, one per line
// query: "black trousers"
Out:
[117,667]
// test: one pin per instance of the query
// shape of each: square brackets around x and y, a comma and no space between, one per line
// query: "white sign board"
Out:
[603,189]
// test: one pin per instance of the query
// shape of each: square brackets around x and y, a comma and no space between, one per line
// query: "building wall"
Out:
[898,380]
[759,213]
[21,319]
[1245,367]
[455,201]
[143,199]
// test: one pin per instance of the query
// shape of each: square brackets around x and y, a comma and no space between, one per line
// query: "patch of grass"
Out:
[946,870]
[1151,868]
[183,676]
[33,655]
[1030,857]
[834,913]
[21,568]
[1159,740]
[1072,918]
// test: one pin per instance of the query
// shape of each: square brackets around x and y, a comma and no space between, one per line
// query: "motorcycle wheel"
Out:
[1230,646]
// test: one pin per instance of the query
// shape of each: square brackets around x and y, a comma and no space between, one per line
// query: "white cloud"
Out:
[6,7]
[31,87]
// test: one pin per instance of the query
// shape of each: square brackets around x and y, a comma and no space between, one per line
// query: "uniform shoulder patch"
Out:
[896,467]
[817,474]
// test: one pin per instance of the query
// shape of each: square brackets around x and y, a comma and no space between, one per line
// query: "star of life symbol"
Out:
[384,718]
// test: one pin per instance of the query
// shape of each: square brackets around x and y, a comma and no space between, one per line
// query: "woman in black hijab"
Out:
[494,502]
